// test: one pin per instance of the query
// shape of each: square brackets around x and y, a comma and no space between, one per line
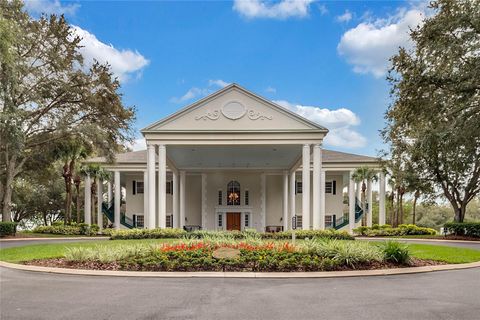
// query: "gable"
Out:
[234,109]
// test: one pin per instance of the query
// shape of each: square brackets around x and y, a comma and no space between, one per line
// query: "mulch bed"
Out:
[113,266]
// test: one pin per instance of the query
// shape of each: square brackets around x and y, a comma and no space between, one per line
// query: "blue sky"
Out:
[324,60]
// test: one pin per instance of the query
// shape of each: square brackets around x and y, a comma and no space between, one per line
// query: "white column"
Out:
[358,190]
[204,201]
[182,199]
[145,199]
[292,198]
[306,187]
[322,199]
[110,192]
[369,201]
[87,208]
[263,199]
[162,186]
[351,203]
[118,196]
[151,186]
[99,204]
[317,168]
[175,199]
[381,202]
[285,200]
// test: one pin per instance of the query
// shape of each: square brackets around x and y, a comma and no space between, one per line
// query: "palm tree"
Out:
[364,175]
[69,152]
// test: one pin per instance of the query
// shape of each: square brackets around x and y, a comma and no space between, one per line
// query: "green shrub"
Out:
[7,228]
[469,229]
[395,252]
[388,231]
[250,234]
[73,229]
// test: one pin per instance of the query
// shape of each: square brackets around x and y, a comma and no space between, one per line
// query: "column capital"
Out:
[306,145]
[317,145]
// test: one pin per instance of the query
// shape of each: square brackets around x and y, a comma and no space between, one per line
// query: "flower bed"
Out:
[388,231]
[256,256]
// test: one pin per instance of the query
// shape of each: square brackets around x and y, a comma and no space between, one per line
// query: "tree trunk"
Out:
[414,209]
[78,204]
[7,191]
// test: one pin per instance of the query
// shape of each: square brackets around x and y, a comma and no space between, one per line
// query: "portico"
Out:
[234,160]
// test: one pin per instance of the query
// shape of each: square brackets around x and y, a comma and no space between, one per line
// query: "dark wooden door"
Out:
[233,221]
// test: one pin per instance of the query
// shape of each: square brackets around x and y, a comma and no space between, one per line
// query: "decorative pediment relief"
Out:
[233,110]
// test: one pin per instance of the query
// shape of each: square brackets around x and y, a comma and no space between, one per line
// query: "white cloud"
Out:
[219,83]
[369,46]
[338,121]
[276,10]
[196,92]
[124,63]
[50,7]
[271,90]
[347,16]
[138,144]
[323,9]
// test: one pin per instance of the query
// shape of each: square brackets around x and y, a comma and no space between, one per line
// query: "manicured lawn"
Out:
[443,253]
[44,251]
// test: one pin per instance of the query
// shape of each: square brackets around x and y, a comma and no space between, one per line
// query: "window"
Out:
[220,220]
[247,220]
[220,197]
[169,187]
[247,198]
[328,187]
[233,193]
[169,221]
[298,187]
[137,187]
[139,221]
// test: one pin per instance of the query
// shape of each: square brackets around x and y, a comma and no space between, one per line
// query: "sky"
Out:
[326,60]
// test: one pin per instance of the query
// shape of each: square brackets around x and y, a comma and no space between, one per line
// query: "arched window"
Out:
[233,193]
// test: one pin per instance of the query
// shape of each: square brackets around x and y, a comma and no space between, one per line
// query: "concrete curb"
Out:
[415,239]
[59,238]
[284,275]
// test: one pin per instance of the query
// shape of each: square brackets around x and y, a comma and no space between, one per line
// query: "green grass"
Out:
[443,253]
[45,251]
[56,250]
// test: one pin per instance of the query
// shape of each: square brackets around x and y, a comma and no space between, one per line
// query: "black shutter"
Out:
[134,187]
[296,187]
[334,187]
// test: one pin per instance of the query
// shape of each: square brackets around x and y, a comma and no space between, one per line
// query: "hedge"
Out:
[468,229]
[386,231]
[8,229]
[178,233]
[74,229]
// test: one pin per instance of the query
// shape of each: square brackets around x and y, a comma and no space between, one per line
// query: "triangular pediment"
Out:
[234,108]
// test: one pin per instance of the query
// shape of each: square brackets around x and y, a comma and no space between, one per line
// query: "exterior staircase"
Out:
[341,222]
[109,211]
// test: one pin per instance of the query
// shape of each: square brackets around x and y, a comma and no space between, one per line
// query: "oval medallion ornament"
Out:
[234,110]
[226,253]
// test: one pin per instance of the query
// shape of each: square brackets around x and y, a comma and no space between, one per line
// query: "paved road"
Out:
[437,295]
[18,243]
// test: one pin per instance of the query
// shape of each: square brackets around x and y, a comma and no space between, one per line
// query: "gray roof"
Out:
[328,156]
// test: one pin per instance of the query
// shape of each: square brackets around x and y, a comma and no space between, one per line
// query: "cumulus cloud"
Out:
[275,10]
[125,63]
[50,7]
[323,9]
[196,92]
[347,16]
[369,45]
[338,121]
[138,144]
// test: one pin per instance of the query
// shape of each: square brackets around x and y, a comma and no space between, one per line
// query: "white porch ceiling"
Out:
[223,156]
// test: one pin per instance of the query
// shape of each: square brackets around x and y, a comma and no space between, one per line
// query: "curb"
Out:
[282,275]
[416,239]
[50,239]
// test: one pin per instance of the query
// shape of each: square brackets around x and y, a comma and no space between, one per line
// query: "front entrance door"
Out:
[234,221]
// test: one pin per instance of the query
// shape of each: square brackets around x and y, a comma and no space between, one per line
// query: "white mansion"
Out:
[231,161]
